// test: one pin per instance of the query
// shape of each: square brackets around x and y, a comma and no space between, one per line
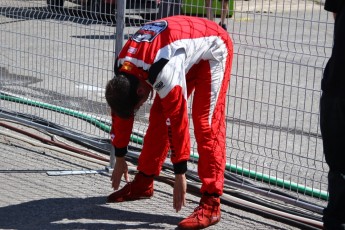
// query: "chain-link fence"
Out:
[56,57]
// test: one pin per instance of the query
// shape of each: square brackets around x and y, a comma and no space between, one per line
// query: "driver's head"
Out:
[121,95]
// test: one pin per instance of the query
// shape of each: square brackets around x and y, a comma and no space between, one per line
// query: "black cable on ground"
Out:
[272,205]
[272,216]
[61,145]
[82,139]
[228,175]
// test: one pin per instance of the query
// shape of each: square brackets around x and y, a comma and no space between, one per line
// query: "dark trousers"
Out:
[332,122]
[169,8]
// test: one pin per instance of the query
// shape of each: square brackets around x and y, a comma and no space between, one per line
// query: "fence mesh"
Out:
[56,57]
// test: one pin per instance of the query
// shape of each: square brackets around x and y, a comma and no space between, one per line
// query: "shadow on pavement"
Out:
[77,213]
[28,90]
[73,14]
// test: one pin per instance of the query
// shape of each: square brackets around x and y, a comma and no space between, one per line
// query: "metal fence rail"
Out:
[55,61]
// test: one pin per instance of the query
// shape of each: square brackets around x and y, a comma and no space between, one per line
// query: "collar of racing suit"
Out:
[130,68]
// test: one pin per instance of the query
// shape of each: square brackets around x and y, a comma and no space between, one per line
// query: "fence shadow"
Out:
[73,14]
[76,14]
[78,213]
[27,87]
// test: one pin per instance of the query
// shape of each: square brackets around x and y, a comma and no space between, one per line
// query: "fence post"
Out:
[120,25]
[112,157]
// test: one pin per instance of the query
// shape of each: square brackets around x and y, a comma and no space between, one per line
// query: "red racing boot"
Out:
[205,215]
[140,188]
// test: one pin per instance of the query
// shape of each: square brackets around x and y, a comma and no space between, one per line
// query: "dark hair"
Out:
[121,95]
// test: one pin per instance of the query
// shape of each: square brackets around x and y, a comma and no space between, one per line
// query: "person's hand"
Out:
[158,2]
[180,188]
[120,168]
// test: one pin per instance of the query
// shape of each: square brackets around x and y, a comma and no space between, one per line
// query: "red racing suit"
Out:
[176,56]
